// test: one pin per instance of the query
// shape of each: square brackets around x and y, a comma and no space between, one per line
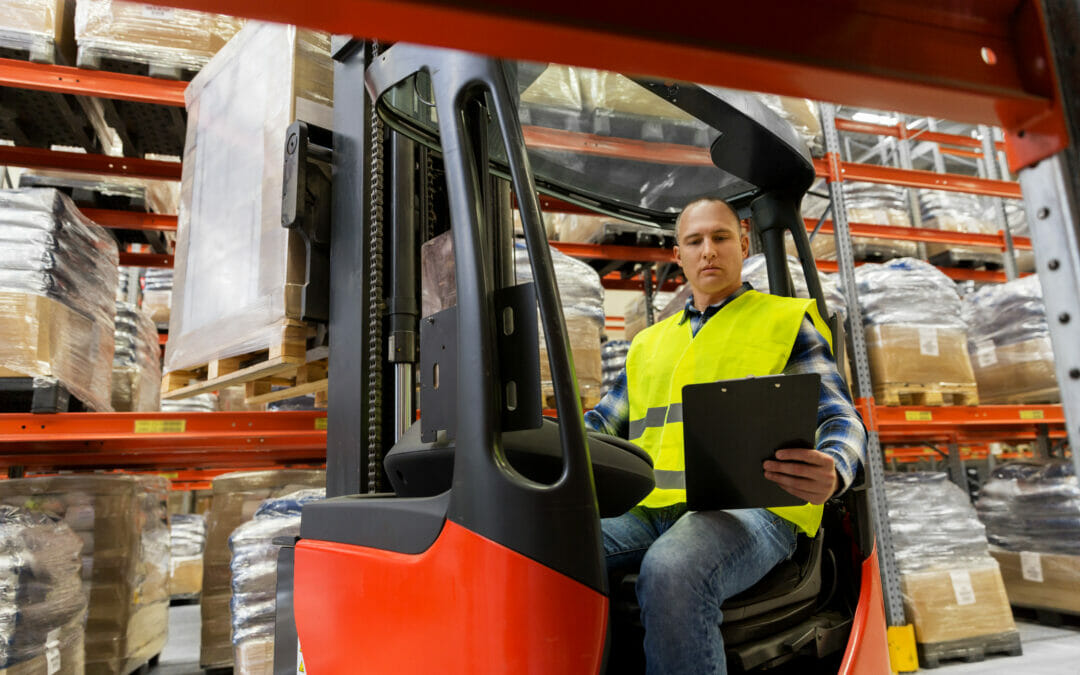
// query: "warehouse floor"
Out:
[1047,651]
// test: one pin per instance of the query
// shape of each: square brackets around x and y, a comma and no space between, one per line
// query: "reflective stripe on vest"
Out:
[751,336]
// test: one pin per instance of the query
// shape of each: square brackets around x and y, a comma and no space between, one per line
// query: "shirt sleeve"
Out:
[840,432]
[611,415]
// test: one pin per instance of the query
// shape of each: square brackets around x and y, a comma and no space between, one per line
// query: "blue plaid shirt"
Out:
[840,432]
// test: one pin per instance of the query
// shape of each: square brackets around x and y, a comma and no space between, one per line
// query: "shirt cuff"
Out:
[846,461]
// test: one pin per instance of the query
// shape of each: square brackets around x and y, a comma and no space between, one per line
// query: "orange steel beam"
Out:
[146,259]
[67,80]
[924,234]
[954,273]
[613,252]
[901,131]
[850,171]
[609,146]
[615,282]
[38,158]
[960,152]
[131,220]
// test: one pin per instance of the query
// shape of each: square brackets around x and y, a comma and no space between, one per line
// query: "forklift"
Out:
[472,544]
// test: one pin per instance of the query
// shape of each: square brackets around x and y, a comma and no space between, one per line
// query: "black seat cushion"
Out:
[622,470]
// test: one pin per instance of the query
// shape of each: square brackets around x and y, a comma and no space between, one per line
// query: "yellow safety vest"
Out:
[751,335]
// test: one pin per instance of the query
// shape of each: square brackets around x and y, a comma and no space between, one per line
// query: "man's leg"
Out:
[705,558]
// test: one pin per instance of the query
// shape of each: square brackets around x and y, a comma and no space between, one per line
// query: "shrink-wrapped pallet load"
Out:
[133,31]
[187,539]
[136,376]
[755,273]
[238,274]
[958,212]
[870,204]
[915,336]
[634,316]
[237,497]
[125,559]
[952,588]
[1009,343]
[254,578]
[1032,516]
[157,286]
[43,613]
[58,274]
[38,27]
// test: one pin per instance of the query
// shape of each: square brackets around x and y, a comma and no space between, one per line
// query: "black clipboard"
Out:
[732,426]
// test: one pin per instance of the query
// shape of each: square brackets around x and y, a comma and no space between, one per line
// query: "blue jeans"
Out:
[690,563]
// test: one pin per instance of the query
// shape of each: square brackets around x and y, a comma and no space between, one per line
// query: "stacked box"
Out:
[157,286]
[125,559]
[957,212]
[254,578]
[44,605]
[1047,581]
[136,376]
[868,203]
[133,31]
[238,274]
[39,26]
[58,272]
[187,539]
[952,587]
[236,498]
[914,332]
[1009,343]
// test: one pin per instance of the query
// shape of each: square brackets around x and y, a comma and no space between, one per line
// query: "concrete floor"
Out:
[1047,651]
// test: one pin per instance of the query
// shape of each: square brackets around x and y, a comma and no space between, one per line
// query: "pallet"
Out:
[926,394]
[1048,617]
[970,649]
[972,260]
[181,600]
[1051,396]
[18,395]
[287,363]
[147,667]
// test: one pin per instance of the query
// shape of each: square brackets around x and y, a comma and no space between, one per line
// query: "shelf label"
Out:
[928,341]
[158,13]
[171,475]
[320,424]
[919,416]
[160,426]
[1032,415]
[52,651]
[962,589]
[985,353]
[1031,566]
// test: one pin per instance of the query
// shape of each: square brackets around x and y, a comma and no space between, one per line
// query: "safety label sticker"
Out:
[160,426]
[1031,566]
[962,589]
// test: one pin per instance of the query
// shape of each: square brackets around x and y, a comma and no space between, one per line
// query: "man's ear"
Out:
[744,240]
[678,257]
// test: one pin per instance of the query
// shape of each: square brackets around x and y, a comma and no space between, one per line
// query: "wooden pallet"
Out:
[1048,617]
[1051,396]
[147,667]
[21,395]
[286,363]
[970,649]
[909,393]
[972,260]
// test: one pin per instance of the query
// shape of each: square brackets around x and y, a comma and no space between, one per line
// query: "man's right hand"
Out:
[807,474]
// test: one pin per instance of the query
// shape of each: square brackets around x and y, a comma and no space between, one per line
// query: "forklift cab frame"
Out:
[493,572]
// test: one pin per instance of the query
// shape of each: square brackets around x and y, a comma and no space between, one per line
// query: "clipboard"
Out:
[730,427]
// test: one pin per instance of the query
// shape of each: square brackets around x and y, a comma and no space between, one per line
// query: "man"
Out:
[690,562]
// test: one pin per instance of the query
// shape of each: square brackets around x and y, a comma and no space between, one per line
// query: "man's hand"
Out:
[807,474]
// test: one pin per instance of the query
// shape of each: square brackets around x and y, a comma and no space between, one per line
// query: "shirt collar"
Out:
[689,310]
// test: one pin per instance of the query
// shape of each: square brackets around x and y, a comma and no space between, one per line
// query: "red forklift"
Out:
[469,540]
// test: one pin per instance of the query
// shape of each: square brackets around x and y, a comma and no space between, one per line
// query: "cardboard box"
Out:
[255,657]
[965,602]
[1041,580]
[1022,370]
[185,576]
[915,354]
[37,26]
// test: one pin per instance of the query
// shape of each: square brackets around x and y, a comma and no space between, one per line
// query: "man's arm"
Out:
[841,436]
[611,415]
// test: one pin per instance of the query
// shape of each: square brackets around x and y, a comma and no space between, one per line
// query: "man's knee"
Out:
[670,577]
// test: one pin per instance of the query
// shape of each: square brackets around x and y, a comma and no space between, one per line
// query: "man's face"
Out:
[711,250]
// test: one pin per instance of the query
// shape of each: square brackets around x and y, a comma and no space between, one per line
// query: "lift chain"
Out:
[376,301]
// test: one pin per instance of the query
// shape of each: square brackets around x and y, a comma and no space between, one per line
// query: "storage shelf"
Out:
[130,220]
[133,167]
[81,81]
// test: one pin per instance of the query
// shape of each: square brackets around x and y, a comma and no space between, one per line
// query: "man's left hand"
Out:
[807,474]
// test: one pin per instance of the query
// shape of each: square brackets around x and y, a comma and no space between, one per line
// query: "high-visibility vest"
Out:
[751,335]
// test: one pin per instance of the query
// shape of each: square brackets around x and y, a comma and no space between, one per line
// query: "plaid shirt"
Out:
[840,432]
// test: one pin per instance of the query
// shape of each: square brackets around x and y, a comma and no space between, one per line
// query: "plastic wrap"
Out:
[187,539]
[254,577]
[1041,580]
[613,353]
[199,403]
[136,377]
[802,115]
[635,319]
[951,586]
[958,212]
[907,291]
[756,274]
[132,31]
[582,298]
[36,26]
[42,601]
[238,272]
[157,295]
[237,496]
[1009,342]
[58,272]
[1032,507]
[121,521]
[868,203]
[155,196]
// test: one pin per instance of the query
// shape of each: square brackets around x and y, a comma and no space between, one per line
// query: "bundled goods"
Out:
[870,204]
[58,273]
[613,354]
[582,299]
[133,31]
[952,588]
[187,539]
[802,115]
[157,286]
[124,559]
[635,319]
[42,601]
[136,377]
[39,28]
[239,275]
[957,212]
[236,498]
[103,191]
[915,336]
[199,403]
[1032,516]
[1009,342]
[756,274]
[254,578]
